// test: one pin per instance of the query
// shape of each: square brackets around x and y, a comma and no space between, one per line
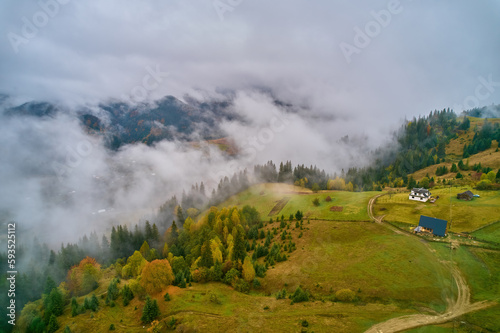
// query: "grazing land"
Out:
[266,198]
[467,216]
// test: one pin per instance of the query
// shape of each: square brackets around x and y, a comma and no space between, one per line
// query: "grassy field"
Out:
[265,196]
[393,275]
[481,269]
[467,216]
[489,233]
[364,257]
[235,312]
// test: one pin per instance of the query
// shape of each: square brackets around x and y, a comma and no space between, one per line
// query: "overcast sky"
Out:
[426,55]
[354,69]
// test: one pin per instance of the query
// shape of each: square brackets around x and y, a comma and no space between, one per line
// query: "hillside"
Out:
[273,200]
[383,274]
[489,158]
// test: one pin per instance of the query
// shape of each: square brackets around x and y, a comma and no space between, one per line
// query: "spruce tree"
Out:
[150,311]
[127,295]
[49,285]
[113,291]
[94,303]
[53,324]
[74,307]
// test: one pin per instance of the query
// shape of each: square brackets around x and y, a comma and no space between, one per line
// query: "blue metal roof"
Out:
[438,226]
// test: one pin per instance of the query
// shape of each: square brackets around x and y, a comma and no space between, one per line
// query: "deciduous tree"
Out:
[156,275]
[248,270]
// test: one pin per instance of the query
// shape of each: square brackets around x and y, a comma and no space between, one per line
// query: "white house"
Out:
[420,194]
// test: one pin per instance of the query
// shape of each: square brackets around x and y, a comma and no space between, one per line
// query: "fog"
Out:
[336,76]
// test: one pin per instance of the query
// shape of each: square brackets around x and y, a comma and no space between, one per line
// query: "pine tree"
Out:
[127,295]
[149,231]
[49,285]
[155,235]
[53,324]
[94,303]
[150,311]
[75,311]
[113,291]
[206,255]
[52,257]
[180,215]
[55,303]
[239,249]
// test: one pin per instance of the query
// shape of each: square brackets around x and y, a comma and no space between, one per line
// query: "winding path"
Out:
[455,308]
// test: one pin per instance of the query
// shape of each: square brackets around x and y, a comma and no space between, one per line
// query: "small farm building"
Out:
[467,195]
[432,225]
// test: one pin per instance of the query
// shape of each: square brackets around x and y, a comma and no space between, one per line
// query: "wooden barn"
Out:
[467,195]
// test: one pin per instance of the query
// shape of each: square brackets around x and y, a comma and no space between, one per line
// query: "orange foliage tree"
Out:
[84,277]
[156,275]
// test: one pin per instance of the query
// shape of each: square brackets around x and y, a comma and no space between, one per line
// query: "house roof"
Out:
[437,225]
[467,193]
[420,190]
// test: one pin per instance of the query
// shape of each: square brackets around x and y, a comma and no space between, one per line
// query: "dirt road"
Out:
[455,308]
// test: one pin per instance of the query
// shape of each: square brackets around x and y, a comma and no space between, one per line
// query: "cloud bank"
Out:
[403,58]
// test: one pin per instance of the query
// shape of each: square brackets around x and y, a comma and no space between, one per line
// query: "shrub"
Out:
[166,297]
[112,327]
[345,295]
[316,202]
[171,323]
[241,286]
[300,295]
[281,294]
[304,323]
[214,299]
[231,276]
[483,184]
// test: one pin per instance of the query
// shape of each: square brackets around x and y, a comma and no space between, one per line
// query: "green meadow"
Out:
[364,257]
[264,198]
[466,216]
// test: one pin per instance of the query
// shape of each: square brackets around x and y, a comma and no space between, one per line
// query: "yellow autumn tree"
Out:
[336,184]
[156,275]
[164,252]
[215,246]
[230,246]
[134,266]
[188,224]
[145,250]
[248,270]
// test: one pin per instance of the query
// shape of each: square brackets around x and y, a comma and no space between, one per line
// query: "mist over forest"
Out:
[114,116]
